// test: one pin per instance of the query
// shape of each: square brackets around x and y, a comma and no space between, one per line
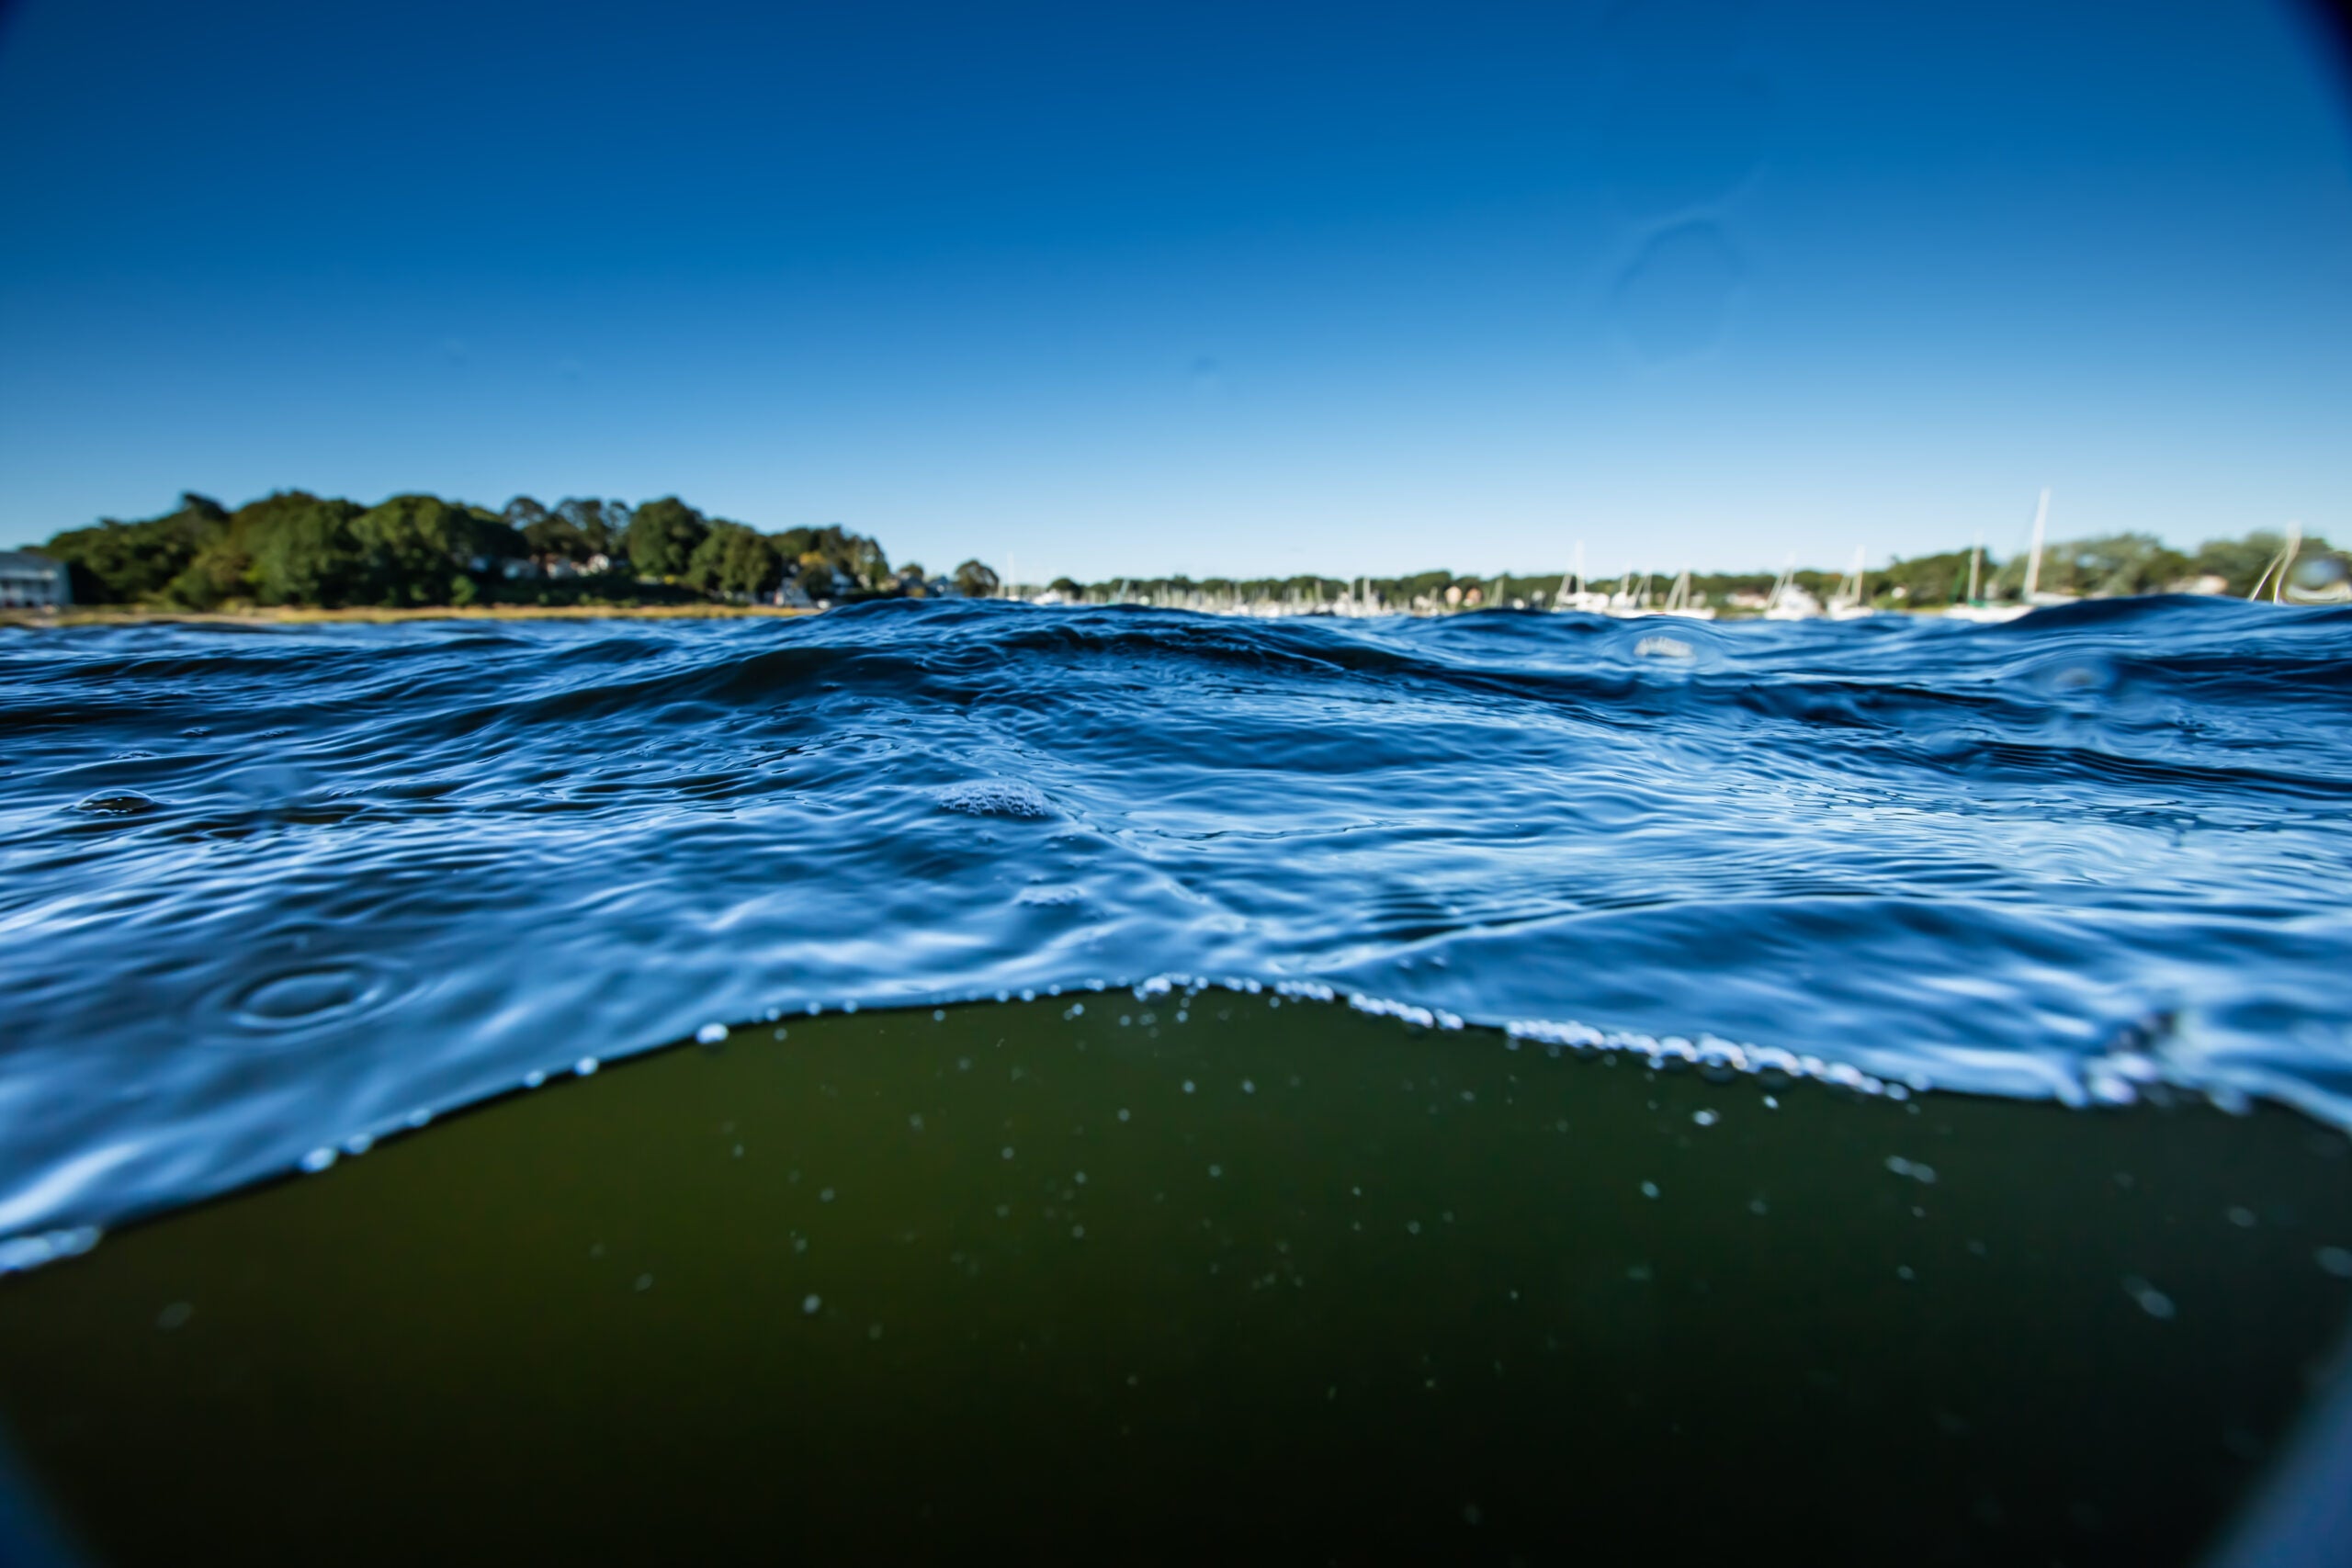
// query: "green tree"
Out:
[2116,564]
[557,539]
[603,526]
[734,558]
[974,580]
[414,549]
[859,561]
[819,578]
[300,549]
[663,536]
[1927,581]
[124,563]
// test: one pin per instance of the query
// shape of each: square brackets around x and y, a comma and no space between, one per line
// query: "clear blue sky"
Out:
[1199,287]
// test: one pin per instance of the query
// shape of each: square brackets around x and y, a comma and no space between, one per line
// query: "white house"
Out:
[32,582]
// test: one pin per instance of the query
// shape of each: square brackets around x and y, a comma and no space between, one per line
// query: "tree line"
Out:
[295,548]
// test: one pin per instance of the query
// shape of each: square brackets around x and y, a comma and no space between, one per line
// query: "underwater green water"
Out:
[1278,1281]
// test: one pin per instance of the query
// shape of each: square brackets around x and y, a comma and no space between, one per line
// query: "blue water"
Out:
[269,893]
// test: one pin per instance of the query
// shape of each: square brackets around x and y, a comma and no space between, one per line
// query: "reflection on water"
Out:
[1199,1276]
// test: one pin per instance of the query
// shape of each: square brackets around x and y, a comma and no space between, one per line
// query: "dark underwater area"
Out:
[1210,1275]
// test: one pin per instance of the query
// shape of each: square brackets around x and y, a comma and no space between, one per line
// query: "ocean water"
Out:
[267,896]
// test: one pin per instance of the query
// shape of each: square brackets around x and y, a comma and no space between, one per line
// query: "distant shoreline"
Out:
[130,615]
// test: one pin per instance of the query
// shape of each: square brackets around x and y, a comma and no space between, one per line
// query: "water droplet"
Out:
[174,1316]
[2335,1260]
[710,1033]
[1650,1188]
[996,797]
[119,803]
[1675,301]
[1683,132]
[318,1161]
[314,995]
[808,1305]
[1705,1118]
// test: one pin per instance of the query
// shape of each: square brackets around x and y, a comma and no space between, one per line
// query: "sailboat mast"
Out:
[2033,563]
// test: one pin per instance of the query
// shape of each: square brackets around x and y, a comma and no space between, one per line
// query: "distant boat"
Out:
[1787,602]
[1678,601]
[2033,594]
[1629,601]
[1975,609]
[1580,596]
[1638,603]
[1849,601]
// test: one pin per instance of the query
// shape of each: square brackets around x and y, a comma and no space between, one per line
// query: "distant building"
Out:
[32,582]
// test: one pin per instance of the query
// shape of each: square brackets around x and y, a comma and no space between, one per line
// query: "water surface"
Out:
[266,894]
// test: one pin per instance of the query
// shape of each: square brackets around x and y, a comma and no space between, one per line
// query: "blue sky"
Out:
[1216,289]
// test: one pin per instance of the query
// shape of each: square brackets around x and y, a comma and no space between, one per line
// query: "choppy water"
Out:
[266,894]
